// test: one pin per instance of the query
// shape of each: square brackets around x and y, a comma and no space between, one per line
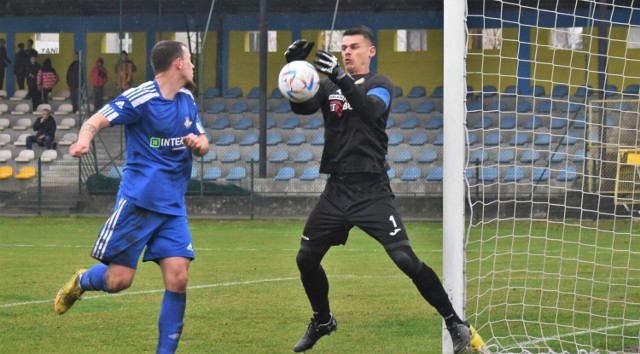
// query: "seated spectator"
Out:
[45,128]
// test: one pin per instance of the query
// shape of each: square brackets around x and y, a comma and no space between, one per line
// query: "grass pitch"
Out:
[244,293]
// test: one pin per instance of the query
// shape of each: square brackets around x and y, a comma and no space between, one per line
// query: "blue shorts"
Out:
[130,228]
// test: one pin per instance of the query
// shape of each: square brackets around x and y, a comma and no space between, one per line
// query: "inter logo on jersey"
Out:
[174,143]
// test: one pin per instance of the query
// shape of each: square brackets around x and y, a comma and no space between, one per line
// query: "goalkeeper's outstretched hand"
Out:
[298,50]
[328,63]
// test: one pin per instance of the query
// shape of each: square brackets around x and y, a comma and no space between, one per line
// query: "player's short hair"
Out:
[360,30]
[164,53]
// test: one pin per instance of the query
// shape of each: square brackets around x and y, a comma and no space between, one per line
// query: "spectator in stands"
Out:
[73,81]
[150,212]
[47,79]
[99,78]
[20,62]
[33,68]
[124,70]
[30,50]
[4,61]
[45,128]
[355,106]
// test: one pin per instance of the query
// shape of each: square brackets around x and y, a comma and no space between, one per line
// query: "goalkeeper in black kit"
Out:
[355,105]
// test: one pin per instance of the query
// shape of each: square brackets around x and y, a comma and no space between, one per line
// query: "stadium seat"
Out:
[508,122]
[403,156]
[514,174]
[570,107]
[254,93]
[67,124]
[545,106]
[254,156]
[611,90]
[215,108]
[274,138]
[570,138]
[567,175]
[62,95]
[523,106]
[41,107]
[397,91]
[243,123]
[493,138]
[474,106]
[285,174]
[411,174]
[530,156]
[21,140]
[579,156]
[210,156]
[434,123]
[292,122]
[194,172]
[498,106]
[410,122]
[26,172]
[226,139]
[237,173]
[533,122]
[391,173]
[212,173]
[489,91]
[557,157]
[559,91]
[297,139]
[537,90]
[579,122]
[519,138]
[310,173]
[478,156]
[558,122]
[271,122]
[21,109]
[485,122]
[303,156]
[68,139]
[5,139]
[401,107]
[276,94]
[221,123]
[249,139]
[116,172]
[6,172]
[418,139]
[211,92]
[395,138]
[510,90]
[439,140]
[4,108]
[583,91]
[505,156]
[632,89]
[25,156]
[391,122]
[283,107]
[256,108]
[472,138]
[5,155]
[488,174]
[18,95]
[314,122]
[438,92]
[238,107]
[49,155]
[435,174]
[417,92]
[233,92]
[4,123]
[318,139]
[425,107]
[279,156]
[231,156]
[427,156]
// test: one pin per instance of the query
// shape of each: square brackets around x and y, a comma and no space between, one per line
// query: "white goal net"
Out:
[553,175]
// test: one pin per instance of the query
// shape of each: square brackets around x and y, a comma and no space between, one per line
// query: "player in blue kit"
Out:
[162,130]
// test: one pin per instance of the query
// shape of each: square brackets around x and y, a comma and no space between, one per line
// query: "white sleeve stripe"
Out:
[143,99]
[200,128]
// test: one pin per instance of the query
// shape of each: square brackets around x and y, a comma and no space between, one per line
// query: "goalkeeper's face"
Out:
[357,52]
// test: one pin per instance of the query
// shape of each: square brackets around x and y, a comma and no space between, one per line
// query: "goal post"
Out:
[551,230]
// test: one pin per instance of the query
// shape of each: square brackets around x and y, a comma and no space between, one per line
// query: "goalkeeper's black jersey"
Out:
[354,122]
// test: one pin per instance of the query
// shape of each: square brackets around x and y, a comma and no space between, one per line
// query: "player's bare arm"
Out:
[199,144]
[88,131]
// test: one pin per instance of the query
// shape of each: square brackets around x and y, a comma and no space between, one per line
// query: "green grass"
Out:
[244,296]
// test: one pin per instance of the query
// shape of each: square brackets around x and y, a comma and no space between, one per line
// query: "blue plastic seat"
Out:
[313,123]
[243,123]
[238,107]
[579,156]
[510,90]
[632,89]
[418,139]
[211,92]
[505,156]
[611,90]
[276,94]
[410,122]
[439,140]
[417,91]
[395,138]
[498,106]
[254,93]
[533,122]
[274,138]
[291,123]
[579,122]
[485,122]
[493,138]
[570,107]
[254,156]
[438,92]
[530,156]
[271,122]
[236,173]
[489,91]
[285,174]
[391,173]
[212,173]
[434,123]
[297,139]
[318,139]
[249,139]
[279,156]
[514,174]
[567,175]
[226,139]
[194,172]
[524,106]
[545,106]
[519,138]
[397,91]
[283,107]
[537,90]
[403,156]
[215,108]
[411,174]
[583,91]
[474,106]
[401,107]
[221,123]
[559,122]
[540,174]
[559,91]
[570,138]
[427,156]
[542,139]
[210,156]
[310,173]
[557,156]
[233,92]
[116,172]
[478,156]
[303,156]
[425,107]
[256,108]
[391,122]
[472,138]
[488,174]
[508,122]
[435,174]
[231,156]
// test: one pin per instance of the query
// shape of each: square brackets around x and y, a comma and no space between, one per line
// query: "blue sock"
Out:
[95,278]
[170,321]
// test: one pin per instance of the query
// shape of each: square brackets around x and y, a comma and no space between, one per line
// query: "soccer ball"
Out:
[298,81]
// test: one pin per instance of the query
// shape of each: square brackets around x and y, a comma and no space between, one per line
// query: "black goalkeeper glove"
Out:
[298,50]
[328,64]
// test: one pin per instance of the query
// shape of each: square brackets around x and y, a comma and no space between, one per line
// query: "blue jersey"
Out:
[158,168]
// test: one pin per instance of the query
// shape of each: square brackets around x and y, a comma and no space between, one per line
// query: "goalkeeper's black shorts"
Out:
[362,200]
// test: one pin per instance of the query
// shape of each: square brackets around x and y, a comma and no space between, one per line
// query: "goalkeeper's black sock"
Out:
[452,319]
[430,287]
